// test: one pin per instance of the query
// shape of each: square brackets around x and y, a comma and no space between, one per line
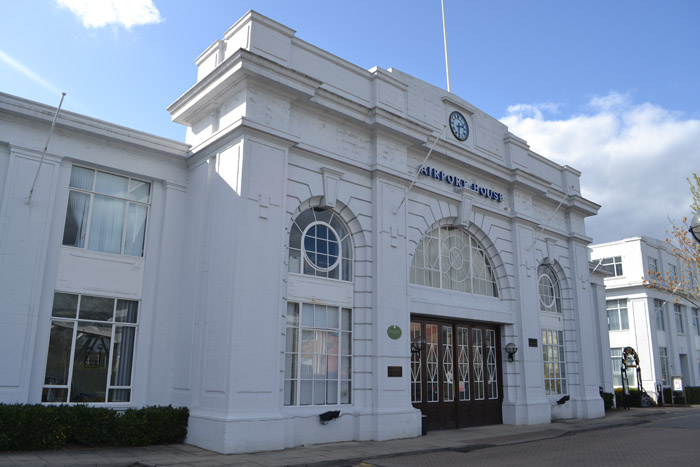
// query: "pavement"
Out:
[334,454]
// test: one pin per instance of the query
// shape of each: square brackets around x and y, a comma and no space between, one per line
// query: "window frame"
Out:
[554,362]
[545,271]
[665,370]
[92,193]
[78,321]
[660,310]
[428,267]
[614,305]
[678,310]
[613,265]
[695,316]
[298,259]
[653,265]
[295,355]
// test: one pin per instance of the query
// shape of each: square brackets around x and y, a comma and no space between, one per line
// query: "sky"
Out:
[610,88]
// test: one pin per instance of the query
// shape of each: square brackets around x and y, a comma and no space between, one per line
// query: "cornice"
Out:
[73,121]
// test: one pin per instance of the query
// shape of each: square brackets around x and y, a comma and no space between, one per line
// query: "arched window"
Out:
[320,245]
[450,258]
[549,291]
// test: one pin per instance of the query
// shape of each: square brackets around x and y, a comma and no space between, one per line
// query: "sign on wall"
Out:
[461,183]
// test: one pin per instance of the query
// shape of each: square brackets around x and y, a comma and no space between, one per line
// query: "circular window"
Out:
[321,246]
[547,295]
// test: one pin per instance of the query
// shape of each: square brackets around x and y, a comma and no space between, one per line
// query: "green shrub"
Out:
[30,427]
[608,398]
[693,394]
[635,398]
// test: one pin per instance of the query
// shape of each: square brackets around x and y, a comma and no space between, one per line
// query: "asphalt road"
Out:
[671,440]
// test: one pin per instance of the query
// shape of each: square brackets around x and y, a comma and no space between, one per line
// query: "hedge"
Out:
[692,393]
[608,398]
[25,427]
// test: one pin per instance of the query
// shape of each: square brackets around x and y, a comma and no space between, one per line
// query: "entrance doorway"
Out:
[456,380]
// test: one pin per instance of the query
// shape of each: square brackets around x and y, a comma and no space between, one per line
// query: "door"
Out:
[456,380]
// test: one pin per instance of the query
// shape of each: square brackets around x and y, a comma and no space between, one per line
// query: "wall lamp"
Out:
[510,350]
[418,345]
[695,227]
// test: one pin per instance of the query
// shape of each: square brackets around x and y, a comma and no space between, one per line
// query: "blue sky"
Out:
[611,88]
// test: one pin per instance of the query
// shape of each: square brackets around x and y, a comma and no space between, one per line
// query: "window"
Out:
[318,355]
[653,265]
[554,361]
[91,349]
[696,321]
[106,212]
[663,359]
[612,265]
[450,258]
[617,315]
[680,325]
[659,310]
[672,272]
[320,245]
[548,284]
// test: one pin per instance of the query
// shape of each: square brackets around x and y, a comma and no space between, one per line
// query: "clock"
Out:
[459,127]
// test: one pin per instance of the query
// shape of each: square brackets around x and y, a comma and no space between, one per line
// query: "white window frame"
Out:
[128,202]
[679,310]
[300,260]
[660,310]
[549,289]
[75,323]
[319,361]
[554,362]
[617,307]
[442,258]
[653,265]
[613,265]
[696,320]
[665,371]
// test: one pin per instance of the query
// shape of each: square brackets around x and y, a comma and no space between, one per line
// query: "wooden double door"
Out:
[456,380]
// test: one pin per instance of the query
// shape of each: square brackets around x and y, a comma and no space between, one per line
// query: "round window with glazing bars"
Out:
[320,245]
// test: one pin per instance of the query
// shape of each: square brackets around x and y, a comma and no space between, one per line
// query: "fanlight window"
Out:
[320,245]
[450,258]
[549,291]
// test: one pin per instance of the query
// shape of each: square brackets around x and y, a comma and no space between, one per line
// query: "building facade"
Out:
[662,328]
[320,219]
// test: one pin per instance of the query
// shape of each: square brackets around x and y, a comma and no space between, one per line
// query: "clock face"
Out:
[459,127]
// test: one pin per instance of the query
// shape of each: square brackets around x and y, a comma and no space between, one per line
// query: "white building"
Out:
[279,264]
[662,328]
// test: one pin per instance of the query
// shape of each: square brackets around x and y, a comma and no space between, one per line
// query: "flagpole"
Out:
[53,123]
[444,34]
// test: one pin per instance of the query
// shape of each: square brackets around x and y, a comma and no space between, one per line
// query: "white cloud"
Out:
[100,13]
[634,160]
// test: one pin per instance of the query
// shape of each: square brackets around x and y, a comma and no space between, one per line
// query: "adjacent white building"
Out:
[279,264]
[662,328]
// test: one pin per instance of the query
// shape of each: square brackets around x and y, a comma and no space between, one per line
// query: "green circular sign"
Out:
[394,331]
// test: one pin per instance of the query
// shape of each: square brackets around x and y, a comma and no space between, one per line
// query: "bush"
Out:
[30,427]
[608,398]
[635,398]
[692,394]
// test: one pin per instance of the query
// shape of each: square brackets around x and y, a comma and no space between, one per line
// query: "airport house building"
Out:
[297,271]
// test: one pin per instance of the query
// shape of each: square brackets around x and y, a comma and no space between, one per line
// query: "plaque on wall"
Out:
[394,331]
[394,371]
